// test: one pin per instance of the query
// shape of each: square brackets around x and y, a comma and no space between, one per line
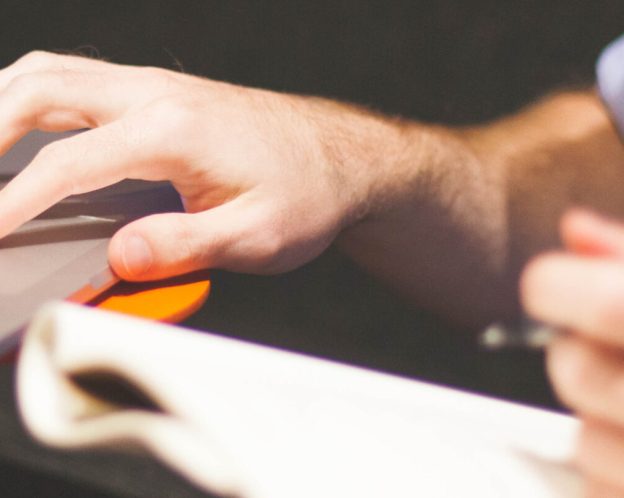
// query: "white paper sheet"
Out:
[248,420]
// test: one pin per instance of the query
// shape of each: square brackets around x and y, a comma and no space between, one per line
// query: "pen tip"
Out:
[493,337]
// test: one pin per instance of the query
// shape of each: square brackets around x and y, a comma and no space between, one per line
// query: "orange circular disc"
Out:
[170,300]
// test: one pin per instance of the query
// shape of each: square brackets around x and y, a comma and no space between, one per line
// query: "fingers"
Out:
[587,233]
[159,246]
[38,60]
[81,163]
[58,101]
[164,245]
[59,93]
[582,293]
[600,455]
[43,90]
[588,377]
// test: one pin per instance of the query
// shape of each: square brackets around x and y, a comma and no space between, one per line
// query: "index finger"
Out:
[38,61]
[88,161]
[583,294]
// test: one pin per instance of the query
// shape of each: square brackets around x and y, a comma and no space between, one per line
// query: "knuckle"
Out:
[51,166]
[159,81]
[36,58]
[25,94]
[55,154]
[52,152]
[26,85]
[42,86]
[174,113]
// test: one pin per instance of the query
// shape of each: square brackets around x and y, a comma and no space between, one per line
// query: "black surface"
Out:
[443,60]
[331,309]
[452,61]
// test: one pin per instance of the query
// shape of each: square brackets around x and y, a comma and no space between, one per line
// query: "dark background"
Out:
[449,61]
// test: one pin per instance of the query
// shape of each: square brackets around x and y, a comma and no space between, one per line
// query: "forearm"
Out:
[468,207]
[269,180]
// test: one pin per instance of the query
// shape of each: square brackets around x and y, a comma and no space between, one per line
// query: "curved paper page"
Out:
[242,419]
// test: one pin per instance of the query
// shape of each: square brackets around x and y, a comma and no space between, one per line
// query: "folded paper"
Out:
[246,420]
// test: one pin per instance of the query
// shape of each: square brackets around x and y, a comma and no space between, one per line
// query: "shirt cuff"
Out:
[610,78]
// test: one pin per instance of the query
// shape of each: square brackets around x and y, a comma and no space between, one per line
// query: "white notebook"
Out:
[251,421]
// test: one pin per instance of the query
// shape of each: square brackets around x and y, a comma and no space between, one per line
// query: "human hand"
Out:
[261,174]
[583,292]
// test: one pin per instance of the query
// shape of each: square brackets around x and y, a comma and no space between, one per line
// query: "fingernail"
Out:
[136,255]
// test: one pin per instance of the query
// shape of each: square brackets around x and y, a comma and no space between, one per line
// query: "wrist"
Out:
[361,151]
[382,163]
[434,225]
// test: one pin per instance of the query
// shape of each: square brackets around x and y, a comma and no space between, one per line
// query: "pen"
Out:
[525,334]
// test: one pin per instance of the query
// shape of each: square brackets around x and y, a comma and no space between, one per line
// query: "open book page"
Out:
[246,420]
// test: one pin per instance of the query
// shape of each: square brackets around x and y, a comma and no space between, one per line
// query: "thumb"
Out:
[165,245]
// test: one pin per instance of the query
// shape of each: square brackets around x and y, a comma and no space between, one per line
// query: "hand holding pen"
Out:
[581,293]
[575,303]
